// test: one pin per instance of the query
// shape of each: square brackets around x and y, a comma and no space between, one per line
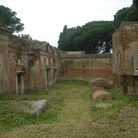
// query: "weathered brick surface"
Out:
[125,44]
[86,67]
[41,62]
[26,65]
[4,67]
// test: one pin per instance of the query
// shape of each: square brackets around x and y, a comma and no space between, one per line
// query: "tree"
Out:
[126,14]
[25,36]
[10,20]
[135,2]
[96,36]
[61,41]
[91,37]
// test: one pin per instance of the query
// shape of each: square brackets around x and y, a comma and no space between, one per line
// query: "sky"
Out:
[44,19]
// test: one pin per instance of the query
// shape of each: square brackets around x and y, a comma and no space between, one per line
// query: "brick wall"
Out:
[4,67]
[86,67]
[125,45]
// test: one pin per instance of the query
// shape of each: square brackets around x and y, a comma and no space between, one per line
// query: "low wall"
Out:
[86,67]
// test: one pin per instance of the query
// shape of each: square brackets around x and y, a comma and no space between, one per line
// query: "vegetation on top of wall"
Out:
[10,19]
[25,36]
[92,37]
[95,36]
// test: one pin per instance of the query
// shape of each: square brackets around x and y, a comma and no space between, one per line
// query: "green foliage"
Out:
[96,36]
[11,116]
[70,110]
[61,41]
[10,20]
[91,37]
[26,36]
[135,3]
[126,14]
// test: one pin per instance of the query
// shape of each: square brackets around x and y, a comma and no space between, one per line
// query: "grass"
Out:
[11,117]
[71,113]
[118,101]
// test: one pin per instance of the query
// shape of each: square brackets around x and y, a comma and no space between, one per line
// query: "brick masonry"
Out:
[26,66]
[86,67]
[125,45]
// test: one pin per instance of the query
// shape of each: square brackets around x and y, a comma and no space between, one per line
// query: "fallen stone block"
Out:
[94,89]
[35,107]
[100,95]
[100,84]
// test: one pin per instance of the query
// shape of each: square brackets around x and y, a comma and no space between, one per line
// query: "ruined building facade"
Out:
[26,65]
[125,58]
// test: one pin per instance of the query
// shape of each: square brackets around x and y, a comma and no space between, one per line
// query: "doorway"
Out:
[19,84]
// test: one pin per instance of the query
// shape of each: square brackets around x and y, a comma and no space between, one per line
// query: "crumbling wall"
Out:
[4,66]
[86,67]
[26,65]
[125,45]
[38,74]
[33,65]
[42,70]
[18,65]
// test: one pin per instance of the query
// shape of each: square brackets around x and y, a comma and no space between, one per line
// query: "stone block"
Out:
[100,95]
[100,84]
[35,107]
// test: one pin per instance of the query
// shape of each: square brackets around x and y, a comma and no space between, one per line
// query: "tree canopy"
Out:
[135,2]
[126,14]
[91,37]
[96,36]
[10,20]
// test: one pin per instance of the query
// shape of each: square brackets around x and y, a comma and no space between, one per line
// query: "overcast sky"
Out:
[44,19]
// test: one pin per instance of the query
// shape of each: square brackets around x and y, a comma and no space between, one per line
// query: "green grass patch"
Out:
[11,117]
[118,101]
[58,97]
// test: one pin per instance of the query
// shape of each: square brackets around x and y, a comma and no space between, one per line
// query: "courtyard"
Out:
[71,113]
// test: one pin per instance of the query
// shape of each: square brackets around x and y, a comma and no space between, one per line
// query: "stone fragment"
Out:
[103,105]
[100,95]
[35,107]
[100,84]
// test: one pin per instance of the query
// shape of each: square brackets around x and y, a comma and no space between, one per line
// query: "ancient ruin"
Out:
[28,66]
[125,58]
[86,66]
